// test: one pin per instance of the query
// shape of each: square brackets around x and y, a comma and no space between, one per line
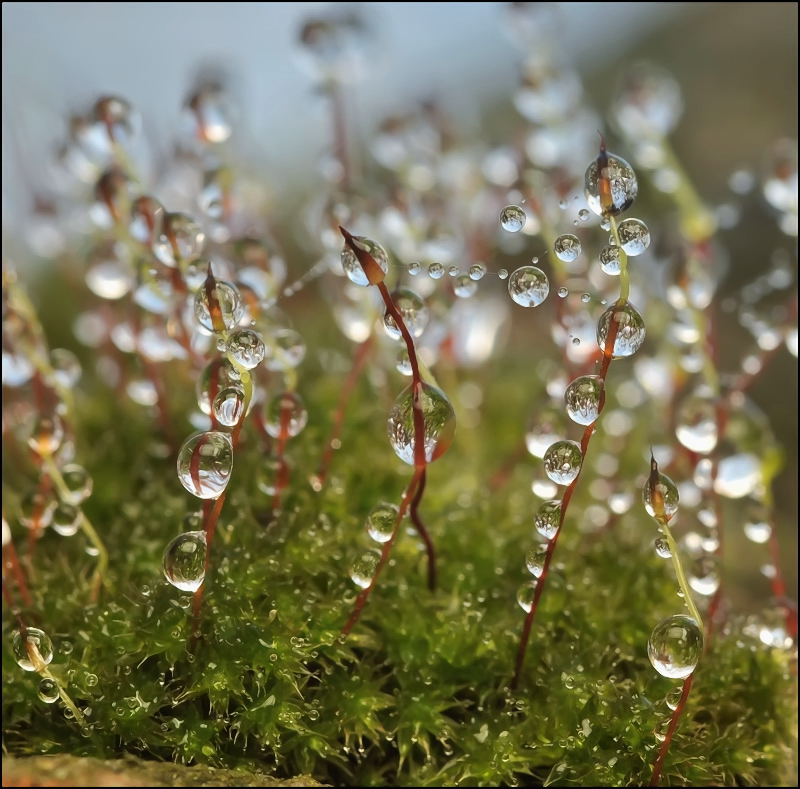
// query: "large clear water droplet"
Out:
[547,519]
[216,376]
[351,265]
[439,418]
[528,286]
[381,521]
[621,180]
[633,236]
[247,348]
[512,219]
[666,491]
[184,561]
[205,463]
[675,646]
[32,647]
[611,261]
[226,297]
[583,397]
[285,412]
[229,406]
[535,559]
[525,595]
[363,569]
[630,329]
[66,519]
[413,311]
[567,248]
[78,483]
[562,462]
[48,691]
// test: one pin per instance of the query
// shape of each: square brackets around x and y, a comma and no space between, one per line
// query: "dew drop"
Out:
[381,521]
[363,569]
[662,548]
[33,649]
[525,595]
[737,475]
[205,462]
[184,561]
[477,271]
[665,490]
[562,462]
[503,274]
[66,519]
[247,348]
[696,423]
[534,561]
[78,483]
[563,293]
[611,261]
[47,435]
[435,270]
[181,238]
[226,296]
[621,181]
[567,248]
[630,329]
[286,351]
[528,286]
[285,411]
[675,646]
[413,311]
[547,519]
[229,406]
[634,236]
[351,264]
[440,423]
[48,691]
[512,218]
[703,575]
[673,698]
[414,268]
[403,363]
[464,287]
[583,397]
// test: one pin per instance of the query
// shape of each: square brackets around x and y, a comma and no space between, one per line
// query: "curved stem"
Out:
[655,778]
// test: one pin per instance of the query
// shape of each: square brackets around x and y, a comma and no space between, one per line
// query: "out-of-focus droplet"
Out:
[381,521]
[413,311]
[363,569]
[285,415]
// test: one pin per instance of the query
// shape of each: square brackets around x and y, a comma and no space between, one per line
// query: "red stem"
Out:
[11,561]
[673,725]
[565,500]
[283,469]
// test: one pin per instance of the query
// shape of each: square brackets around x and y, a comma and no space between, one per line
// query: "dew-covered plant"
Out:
[505,275]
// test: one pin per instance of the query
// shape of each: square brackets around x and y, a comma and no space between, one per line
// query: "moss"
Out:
[418,695]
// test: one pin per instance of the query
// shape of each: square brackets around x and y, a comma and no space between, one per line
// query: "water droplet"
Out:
[464,287]
[181,239]
[414,268]
[381,520]
[737,475]
[247,348]
[673,698]
[630,329]
[413,311]
[205,463]
[703,575]
[184,561]
[47,435]
[528,286]
[562,462]
[525,595]
[226,296]
[33,649]
[503,274]
[66,367]
[208,114]
[363,569]
[611,261]
[621,181]
[534,561]
[675,646]
[286,351]
[66,519]
[512,218]
[634,236]
[436,271]
[477,271]
[285,411]
[583,397]
[567,248]
[229,406]
[757,528]
[662,548]
[547,519]
[403,363]
[586,297]
[216,376]
[665,490]
[48,691]
[696,422]
[563,293]
[440,423]
[351,265]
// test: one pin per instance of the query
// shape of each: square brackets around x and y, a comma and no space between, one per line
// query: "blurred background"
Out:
[736,64]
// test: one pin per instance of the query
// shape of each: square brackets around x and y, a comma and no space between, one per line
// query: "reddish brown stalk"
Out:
[565,500]
[45,483]
[364,594]
[655,778]
[416,487]
[210,518]
[359,360]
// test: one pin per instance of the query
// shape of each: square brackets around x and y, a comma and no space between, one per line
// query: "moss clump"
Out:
[418,695]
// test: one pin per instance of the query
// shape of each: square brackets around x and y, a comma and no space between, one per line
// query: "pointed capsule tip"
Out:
[602,141]
[347,235]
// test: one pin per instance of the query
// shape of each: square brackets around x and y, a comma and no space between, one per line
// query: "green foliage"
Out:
[418,695]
